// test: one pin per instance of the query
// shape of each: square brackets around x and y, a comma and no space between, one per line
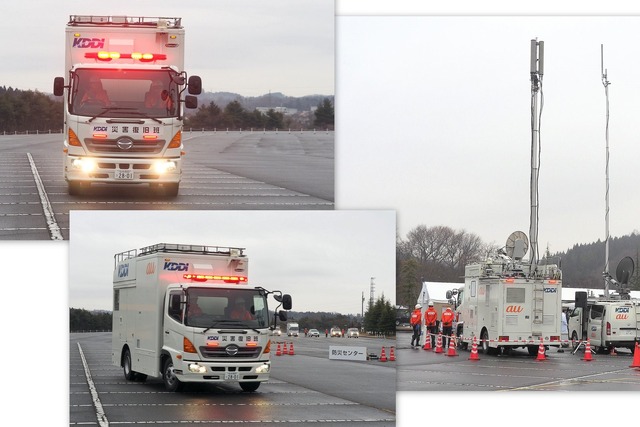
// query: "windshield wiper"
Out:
[105,109]
[140,113]
[230,322]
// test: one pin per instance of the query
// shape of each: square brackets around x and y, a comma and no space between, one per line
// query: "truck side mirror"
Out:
[286,302]
[282,315]
[195,85]
[58,86]
[190,101]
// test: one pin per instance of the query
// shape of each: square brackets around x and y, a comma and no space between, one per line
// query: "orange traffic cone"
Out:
[392,354]
[284,348]
[452,346]
[439,344]
[636,357]
[541,355]
[427,342]
[291,353]
[474,350]
[279,351]
[587,352]
[613,351]
[383,356]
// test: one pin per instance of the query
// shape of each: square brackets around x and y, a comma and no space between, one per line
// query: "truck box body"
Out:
[503,306]
[123,81]
[608,323]
[175,303]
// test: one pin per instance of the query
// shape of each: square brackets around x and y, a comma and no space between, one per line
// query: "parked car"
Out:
[313,333]
[277,331]
[353,333]
[336,332]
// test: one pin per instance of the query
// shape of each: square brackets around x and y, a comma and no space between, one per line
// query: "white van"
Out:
[607,323]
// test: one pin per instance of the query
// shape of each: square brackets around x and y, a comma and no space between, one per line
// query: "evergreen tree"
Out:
[324,115]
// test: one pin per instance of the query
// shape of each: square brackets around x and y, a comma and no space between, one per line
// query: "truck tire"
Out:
[171,382]
[171,190]
[74,187]
[129,375]
[251,386]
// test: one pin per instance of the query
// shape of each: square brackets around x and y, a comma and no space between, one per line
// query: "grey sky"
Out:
[324,259]
[450,139]
[248,47]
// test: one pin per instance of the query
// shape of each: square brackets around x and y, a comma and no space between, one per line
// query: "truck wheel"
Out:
[171,190]
[171,382]
[74,187]
[484,341]
[252,386]
[129,375]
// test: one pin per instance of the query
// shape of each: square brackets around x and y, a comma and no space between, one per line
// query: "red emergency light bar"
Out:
[205,277]
[142,57]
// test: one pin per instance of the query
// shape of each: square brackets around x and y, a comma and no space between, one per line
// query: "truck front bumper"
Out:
[123,171]
[200,371]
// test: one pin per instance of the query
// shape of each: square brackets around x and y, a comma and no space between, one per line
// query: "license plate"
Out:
[231,376]
[124,174]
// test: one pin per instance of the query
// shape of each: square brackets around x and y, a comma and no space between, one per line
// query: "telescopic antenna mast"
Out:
[605,83]
[537,71]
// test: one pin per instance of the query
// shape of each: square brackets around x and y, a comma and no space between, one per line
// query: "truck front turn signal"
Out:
[187,346]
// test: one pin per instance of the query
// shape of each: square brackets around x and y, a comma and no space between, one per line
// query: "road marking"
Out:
[101,416]
[54,229]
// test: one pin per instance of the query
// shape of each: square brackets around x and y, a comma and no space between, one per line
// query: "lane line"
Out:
[100,415]
[54,229]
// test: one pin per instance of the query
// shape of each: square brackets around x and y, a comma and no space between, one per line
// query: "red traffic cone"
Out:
[452,346]
[392,354]
[291,353]
[279,351]
[383,356]
[587,352]
[284,348]
[439,344]
[541,355]
[427,342]
[613,351]
[636,357]
[474,350]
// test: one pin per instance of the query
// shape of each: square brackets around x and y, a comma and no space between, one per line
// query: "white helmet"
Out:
[418,306]
[430,303]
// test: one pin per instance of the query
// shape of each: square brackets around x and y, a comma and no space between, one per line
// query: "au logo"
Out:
[151,268]
[514,309]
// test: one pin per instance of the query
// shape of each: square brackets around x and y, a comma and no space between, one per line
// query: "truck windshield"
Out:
[124,93]
[243,308]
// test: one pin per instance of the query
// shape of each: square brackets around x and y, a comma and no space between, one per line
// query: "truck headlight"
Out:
[197,369]
[165,166]
[84,164]
[263,369]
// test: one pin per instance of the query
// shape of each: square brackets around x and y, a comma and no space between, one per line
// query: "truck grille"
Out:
[111,146]
[221,352]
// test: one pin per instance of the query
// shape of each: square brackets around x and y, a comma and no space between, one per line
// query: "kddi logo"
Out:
[514,309]
[87,43]
[176,266]
[123,270]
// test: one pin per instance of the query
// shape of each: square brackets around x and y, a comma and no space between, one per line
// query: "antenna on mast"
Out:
[537,71]
[606,83]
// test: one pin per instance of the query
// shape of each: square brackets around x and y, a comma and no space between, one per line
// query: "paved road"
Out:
[235,170]
[420,370]
[304,389]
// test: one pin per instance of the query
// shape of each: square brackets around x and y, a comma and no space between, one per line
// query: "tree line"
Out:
[234,116]
[22,111]
[440,253]
[81,320]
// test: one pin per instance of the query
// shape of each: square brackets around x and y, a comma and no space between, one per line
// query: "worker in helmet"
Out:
[94,94]
[239,310]
[416,325]
[447,325]
[158,96]
[431,320]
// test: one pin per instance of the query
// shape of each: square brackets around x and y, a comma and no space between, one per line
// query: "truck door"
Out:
[595,330]
[173,330]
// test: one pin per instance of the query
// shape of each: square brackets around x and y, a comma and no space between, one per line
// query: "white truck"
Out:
[293,329]
[123,101]
[607,321]
[504,305]
[185,313]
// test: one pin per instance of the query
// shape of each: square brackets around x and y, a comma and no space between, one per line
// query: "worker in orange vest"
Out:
[447,324]
[430,319]
[416,325]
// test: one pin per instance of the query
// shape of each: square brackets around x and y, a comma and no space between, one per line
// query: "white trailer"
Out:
[505,305]
[123,107]
[186,313]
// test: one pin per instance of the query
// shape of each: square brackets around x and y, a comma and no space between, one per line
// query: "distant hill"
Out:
[271,100]
[583,264]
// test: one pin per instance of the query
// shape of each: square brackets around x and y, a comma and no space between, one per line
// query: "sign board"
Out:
[338,352]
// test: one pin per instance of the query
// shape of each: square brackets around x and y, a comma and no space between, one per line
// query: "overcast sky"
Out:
[324,259]
[249,47]
[448,141]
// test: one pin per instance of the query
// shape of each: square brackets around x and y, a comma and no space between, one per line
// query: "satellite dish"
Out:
[517,245]
[624,271]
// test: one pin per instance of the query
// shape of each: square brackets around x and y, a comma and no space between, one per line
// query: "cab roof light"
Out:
[205,277]
[138,56]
